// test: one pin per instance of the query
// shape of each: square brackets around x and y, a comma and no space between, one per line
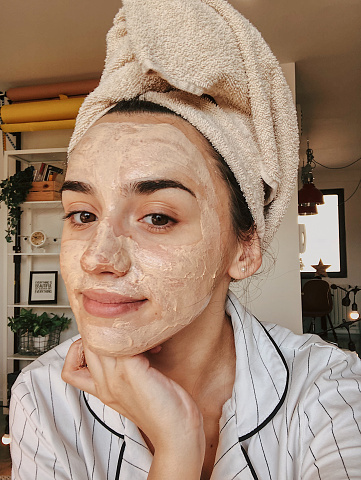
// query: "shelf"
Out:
[39,155]
[47,305]
[43,204]
[34,254]
[38,215]
[18,356]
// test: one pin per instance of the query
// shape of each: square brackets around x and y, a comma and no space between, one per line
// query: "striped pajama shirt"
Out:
[295,413]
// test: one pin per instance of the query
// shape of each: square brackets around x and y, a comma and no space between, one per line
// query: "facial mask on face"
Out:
[132,288]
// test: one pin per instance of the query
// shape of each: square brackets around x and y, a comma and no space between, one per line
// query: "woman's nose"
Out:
[106,253]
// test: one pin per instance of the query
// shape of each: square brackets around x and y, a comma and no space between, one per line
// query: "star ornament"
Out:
[321,269]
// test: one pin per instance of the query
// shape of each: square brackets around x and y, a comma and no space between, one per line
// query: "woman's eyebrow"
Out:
[144,187]
[147,187]
[77,187]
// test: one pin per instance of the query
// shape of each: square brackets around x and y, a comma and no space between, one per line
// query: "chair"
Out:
[317,302]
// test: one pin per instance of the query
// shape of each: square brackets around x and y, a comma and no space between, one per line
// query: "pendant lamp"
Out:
[309,196]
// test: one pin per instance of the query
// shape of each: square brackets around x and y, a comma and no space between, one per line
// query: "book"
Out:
[38,172]
[51,172]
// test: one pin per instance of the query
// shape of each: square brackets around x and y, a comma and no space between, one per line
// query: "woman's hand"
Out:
[161,408]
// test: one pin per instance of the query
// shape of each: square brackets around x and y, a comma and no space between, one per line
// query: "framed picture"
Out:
[43,288]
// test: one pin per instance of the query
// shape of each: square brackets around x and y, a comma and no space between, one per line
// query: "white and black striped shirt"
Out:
[295,413]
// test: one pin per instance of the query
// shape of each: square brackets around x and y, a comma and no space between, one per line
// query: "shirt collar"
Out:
[136,449]
[261,379]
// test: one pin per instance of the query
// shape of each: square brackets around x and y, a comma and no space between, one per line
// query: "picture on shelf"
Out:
[43,287]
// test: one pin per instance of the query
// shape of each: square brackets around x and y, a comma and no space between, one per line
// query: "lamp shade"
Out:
[309,195]
[308,210]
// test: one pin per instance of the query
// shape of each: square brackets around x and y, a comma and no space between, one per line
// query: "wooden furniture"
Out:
[317,302]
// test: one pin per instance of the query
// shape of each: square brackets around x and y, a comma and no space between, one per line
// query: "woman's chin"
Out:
[138,334]
[112,343]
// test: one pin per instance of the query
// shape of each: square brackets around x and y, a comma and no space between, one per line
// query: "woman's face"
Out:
[147,239]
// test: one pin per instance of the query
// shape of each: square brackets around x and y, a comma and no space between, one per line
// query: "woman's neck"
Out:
[201,357]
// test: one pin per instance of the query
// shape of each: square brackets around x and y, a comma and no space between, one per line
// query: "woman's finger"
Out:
[75,371]
[94,364]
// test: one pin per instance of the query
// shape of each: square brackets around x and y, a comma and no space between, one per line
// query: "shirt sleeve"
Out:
[331,430]
[32,455]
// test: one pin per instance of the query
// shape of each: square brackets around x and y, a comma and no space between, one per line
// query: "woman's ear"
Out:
[246,260]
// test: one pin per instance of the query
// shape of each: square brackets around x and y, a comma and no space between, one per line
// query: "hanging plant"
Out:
[14,191]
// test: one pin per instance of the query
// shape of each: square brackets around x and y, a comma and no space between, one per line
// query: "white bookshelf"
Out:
[41,215]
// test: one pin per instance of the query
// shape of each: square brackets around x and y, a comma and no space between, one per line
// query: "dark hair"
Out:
[242,220]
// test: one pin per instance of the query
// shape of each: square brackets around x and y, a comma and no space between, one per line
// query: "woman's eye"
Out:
[158,222]
[84,217]
[79,218]
[157,219]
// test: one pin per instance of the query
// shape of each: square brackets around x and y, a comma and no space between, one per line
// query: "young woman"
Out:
[172,378]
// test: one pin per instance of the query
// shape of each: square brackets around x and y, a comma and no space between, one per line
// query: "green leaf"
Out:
[41,324]
[14,191]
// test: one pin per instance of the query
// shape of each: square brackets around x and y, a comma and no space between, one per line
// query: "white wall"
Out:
[45,139]
[274,295]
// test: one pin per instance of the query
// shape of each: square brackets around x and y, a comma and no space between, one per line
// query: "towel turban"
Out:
[176,53]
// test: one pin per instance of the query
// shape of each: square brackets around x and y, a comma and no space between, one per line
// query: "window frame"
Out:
[342,273]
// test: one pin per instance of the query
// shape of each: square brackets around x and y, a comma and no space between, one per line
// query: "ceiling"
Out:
[59,40]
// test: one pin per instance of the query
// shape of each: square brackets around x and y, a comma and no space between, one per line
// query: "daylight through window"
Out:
[325,236]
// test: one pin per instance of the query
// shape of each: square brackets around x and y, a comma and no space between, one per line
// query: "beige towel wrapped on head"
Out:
[173,53]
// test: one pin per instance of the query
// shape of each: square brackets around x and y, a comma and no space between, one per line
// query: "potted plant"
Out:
[37,333]
[14,191]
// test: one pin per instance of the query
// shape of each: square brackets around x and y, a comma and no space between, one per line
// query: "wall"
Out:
[274,295]
[45,139]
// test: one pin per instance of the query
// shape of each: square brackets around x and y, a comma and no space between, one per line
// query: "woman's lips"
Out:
[107,305]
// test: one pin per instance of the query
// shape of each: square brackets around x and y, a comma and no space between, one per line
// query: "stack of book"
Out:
[45,172]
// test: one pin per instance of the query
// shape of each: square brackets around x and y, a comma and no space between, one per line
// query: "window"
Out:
[325,236]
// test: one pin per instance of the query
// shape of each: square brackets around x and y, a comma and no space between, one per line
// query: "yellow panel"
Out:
[62,109]
[36,126]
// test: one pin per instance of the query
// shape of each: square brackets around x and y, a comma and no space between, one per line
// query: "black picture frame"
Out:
[43,287]
[342,273]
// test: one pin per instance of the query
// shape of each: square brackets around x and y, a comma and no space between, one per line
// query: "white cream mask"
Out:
[141,262]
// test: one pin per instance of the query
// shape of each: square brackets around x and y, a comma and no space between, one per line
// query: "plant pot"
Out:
[30,345]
